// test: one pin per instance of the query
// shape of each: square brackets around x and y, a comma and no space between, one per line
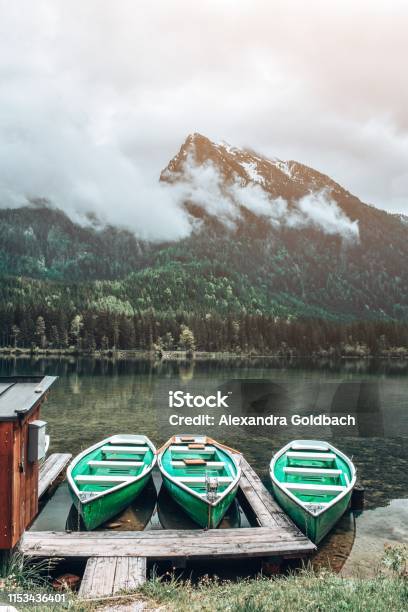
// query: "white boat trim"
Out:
[114,464]
[311,456]
[293,497]
[181,485]
[318,488]
[317,446]
[100,479]
[125,450]
[208,450]
[76,490]
[215,465]
[304,471]
[201,479]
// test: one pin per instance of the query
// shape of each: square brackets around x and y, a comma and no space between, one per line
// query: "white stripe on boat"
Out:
[198,451]
[217,465]
[200,479]
[128,439]
[114,464]
[314,456]
[127,450]
[313,488]
[304,471]
[96,479]
[298,446]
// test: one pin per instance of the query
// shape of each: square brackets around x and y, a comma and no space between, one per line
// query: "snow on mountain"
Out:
[225,181]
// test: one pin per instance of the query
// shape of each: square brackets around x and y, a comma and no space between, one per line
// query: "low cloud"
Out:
[101,182]
[204,185]
[319,210]
[96,96]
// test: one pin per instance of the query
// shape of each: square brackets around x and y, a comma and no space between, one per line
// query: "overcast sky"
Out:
[96,96]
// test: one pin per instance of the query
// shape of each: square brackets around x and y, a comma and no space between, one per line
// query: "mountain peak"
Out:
[290,180]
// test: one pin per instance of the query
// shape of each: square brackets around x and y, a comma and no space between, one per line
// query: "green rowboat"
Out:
[105,478]
[313,482]
[201,475]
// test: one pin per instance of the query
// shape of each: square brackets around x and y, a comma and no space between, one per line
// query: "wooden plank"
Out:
[6,484]
[107,576]
[257,495]
[31,475]
[191,462]
[121,581]
[168,543]
[253,504]
[130,573]
[87,578]
[266,509]
[98,578]
[52,468]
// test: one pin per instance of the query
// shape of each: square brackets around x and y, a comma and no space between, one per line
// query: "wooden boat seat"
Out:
[96,479]
[114,464]
[298,446]
[313,488]
[201,479]
[185,449]
[126,450]
[311,456]
[305,471]
[216,465]
[196,445]
[197,461]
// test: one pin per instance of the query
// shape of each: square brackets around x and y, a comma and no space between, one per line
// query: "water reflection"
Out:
[134,518]
[336,547]
[172,516]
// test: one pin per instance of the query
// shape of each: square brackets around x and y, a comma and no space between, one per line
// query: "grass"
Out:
[17,572]
[303,592]
[306,591]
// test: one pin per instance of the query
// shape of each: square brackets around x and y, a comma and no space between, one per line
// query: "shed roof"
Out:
[19,395]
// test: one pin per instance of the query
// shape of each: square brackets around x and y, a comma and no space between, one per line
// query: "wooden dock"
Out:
[51,472]
[107,551]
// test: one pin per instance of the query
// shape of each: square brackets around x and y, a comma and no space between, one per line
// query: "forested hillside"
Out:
[245,276]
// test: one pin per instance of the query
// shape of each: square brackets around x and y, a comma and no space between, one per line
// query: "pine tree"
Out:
[55,340]
[76,328]
[15,332]
[187,340]
[40,331]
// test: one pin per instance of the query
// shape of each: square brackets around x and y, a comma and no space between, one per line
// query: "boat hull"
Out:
[313,482]
[204,514]
[98,511]
[314,527]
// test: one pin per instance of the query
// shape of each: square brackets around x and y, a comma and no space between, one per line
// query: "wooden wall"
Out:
[18,481]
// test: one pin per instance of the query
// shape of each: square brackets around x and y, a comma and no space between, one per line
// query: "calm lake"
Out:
[93,399]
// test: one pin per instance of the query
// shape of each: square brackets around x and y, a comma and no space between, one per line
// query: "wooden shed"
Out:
[21,441]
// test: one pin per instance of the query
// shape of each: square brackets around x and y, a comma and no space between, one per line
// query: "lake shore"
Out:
[398,354]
